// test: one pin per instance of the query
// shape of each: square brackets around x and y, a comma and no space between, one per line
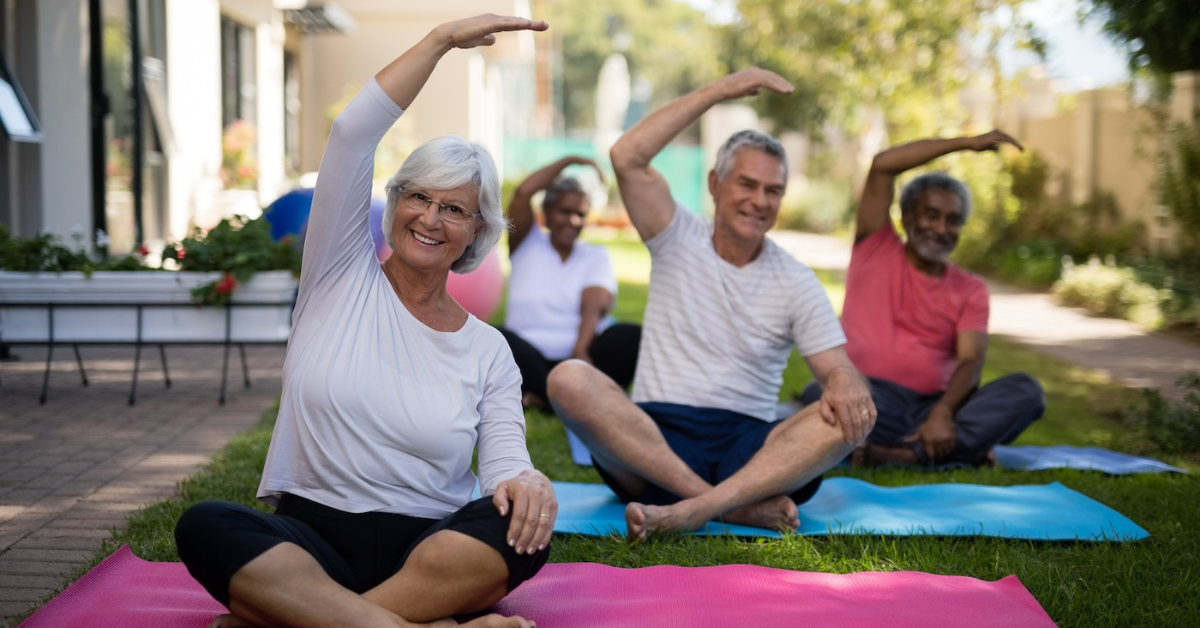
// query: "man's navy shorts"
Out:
[715,443]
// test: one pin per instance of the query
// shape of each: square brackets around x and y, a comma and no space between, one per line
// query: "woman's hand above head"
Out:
[403,78]
[481,30]
[584,161]
[520,207]
[530,498]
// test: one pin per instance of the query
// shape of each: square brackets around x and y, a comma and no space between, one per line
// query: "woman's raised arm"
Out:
[403,78]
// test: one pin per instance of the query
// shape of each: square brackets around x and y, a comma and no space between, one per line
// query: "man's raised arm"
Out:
[644,190]
[880,187]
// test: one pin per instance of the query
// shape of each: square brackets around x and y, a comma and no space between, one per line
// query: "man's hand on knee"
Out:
[846,402]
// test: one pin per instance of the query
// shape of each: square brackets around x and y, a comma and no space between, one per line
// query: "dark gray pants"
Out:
[995,414]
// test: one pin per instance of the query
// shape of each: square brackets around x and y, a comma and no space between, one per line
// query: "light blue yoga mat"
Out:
[1050,512]
[1030,458]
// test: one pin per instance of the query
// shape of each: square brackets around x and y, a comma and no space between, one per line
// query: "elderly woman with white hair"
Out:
[389,386]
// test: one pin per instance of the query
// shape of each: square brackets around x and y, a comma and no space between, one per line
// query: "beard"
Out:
[932,247]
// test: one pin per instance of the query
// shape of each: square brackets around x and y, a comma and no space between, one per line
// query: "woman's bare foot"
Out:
[534,400]
[496,621]
[231,621]
[643,521]
[776,513]
[870,455]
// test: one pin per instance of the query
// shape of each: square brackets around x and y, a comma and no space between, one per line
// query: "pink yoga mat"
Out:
[125,591]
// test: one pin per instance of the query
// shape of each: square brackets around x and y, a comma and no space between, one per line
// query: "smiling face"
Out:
[747,198]
[566,218]
[933,225]
[423,241]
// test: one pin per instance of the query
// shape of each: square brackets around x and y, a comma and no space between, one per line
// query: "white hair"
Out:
[748,139]
[445,163]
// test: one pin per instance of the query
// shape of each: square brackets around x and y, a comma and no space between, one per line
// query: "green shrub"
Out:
[1179,185]
[1166,426]
[817,206]
[1033,264]
[46,253]
[1020,235]
[1108,290]
[237,247]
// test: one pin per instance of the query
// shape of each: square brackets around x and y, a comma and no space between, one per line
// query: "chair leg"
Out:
[79,360]
[224,371]
[46,376]
[162,353]
[245,369]
[137,358]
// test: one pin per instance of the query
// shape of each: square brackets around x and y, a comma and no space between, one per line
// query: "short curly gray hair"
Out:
[559,189]
[444,163]
[935,180]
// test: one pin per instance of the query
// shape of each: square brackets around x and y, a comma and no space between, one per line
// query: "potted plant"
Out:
[50,292]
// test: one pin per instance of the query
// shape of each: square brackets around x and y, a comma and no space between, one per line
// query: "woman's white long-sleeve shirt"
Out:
[380,412]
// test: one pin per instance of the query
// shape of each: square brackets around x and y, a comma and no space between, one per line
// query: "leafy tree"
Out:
[1163,35]
[906,57]
[669,45]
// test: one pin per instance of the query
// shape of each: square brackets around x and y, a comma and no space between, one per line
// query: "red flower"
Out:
[179,253]
[287,239]
[142,250]
[226,284]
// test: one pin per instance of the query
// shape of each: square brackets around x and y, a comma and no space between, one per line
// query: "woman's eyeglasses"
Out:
[421,201]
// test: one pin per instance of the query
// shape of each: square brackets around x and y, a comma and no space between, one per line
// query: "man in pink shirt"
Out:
[916,325]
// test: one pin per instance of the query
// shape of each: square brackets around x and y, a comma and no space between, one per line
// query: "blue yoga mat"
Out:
[1050,512]
[1032,458]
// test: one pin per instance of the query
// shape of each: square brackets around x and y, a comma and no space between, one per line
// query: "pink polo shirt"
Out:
[901,324]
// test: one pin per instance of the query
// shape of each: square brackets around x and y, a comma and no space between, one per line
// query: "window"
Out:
[239,162]
[130,128]
[16,115]
[291,114]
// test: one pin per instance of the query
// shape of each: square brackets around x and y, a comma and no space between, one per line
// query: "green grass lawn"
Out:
[1155,582]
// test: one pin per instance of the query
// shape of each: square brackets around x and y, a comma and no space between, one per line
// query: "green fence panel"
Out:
[682,166]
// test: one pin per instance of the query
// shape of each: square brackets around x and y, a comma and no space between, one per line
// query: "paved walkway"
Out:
[1117,348]
[74,468]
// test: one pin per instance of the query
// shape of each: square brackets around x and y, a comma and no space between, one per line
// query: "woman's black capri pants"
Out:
[358,551]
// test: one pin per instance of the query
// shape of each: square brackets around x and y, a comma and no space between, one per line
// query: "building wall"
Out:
[1054,139]
[463,97]
[193,94]
[1105,146]
[1125,161]
[61,101]
[52,191]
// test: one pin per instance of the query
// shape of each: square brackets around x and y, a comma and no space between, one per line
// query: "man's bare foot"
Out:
[776,513]
[643,521]
[870,455]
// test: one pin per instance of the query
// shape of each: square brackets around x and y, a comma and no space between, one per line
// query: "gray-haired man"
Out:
[917,324]
[726,306]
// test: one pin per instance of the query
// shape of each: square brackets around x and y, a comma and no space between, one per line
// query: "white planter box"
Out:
[170,316]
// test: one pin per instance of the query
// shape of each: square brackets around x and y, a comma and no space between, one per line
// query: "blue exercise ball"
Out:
[289,213]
